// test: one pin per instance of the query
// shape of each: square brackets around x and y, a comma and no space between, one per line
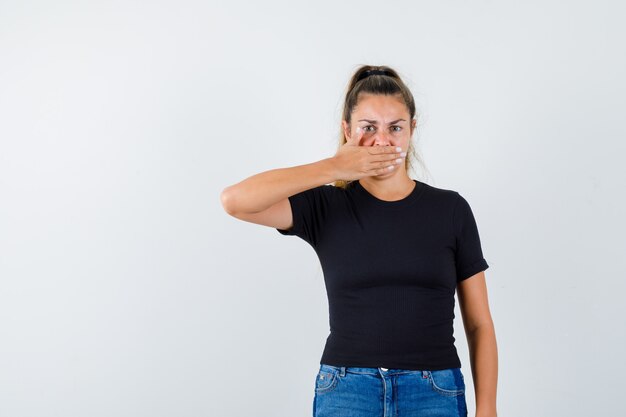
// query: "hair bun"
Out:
[367,73]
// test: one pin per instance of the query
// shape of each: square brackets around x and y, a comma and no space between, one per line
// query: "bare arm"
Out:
[479,329]
[270,189]
[264,198]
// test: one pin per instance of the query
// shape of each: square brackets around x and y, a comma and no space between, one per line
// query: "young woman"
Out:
[394,251]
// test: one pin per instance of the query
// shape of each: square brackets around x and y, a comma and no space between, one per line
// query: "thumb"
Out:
[355,139]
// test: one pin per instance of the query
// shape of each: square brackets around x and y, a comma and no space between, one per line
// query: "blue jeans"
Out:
[379,392]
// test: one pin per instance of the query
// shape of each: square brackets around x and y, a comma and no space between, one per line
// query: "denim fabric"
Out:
[380,392]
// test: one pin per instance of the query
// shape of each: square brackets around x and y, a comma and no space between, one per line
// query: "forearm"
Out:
[261,191]
[484,362]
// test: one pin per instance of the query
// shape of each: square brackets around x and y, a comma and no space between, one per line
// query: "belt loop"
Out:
[424,374]
[342,371]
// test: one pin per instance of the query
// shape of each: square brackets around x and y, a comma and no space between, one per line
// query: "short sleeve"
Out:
[309,209]
[469,258]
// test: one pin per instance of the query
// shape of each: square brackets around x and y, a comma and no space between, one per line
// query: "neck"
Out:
[395,186]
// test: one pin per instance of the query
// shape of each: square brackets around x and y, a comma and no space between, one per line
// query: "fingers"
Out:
[385,149]
[386,154]
[384,169]
[387,160]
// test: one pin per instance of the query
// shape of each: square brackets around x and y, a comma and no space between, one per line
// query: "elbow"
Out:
[485,325]
[227,198]
[236,200]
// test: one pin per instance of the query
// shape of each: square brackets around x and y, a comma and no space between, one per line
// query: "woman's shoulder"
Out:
[440,192]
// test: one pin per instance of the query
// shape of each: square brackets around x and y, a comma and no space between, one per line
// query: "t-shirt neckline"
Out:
[409,199]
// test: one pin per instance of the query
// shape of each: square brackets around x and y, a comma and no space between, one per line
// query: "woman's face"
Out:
[383,119]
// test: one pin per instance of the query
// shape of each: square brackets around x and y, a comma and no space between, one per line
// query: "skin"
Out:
[374,122]
[481,340]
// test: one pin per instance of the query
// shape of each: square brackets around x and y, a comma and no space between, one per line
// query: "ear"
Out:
[413,124]
[346,130]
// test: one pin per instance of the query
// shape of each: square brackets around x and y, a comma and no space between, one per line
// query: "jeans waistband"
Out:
[342,370]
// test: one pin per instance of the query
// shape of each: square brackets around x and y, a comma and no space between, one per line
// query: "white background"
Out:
[126,290]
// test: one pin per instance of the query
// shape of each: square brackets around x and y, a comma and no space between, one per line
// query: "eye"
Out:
[366,127]
[399,128]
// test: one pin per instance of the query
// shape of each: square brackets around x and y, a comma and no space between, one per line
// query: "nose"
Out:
[381,139]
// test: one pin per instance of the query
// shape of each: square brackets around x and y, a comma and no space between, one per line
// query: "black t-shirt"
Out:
[390,271]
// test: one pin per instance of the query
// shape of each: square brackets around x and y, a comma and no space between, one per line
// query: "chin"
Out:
[386,174]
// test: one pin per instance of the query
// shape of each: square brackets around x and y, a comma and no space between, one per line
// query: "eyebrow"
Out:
[375,122]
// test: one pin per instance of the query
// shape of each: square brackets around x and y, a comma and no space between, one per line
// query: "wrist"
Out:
[329,170]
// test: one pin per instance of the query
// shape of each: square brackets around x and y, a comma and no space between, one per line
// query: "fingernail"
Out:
[403,154]
[398,149]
